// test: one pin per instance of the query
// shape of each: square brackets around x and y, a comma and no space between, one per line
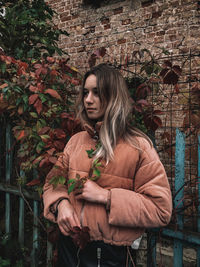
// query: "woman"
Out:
[131,192]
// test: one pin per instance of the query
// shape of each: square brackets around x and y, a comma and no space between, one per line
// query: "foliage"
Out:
[93,174]
[144,116]
[27,29]
[37,98]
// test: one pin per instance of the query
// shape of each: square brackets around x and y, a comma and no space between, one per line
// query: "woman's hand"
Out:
[67,217]
[92,192]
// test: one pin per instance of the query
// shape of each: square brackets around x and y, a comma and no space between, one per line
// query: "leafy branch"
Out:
[93,175]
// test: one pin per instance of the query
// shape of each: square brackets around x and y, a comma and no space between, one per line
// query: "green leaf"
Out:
[97,172]
[90,153]
[55,180]
[43,98]
[3,67]
[71,187]
[39,189]
[98,164]
[71,181]
[5,262]
[34,115]
[39,147]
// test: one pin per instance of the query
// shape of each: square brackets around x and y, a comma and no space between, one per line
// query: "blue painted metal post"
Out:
[8,177]
[21,218]
[49,253]
[198,220]
[179,191]
[35,249]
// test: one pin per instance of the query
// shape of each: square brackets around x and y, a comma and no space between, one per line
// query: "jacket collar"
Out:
[93,131]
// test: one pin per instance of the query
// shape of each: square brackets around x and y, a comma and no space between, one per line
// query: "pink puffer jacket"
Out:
[140,192]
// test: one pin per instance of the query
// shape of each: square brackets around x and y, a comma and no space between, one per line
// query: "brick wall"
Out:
[125,26]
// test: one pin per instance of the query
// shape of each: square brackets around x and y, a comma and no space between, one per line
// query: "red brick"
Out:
[160,33]
[65,18]
[118,10]
[75,16]
[146,3]
[107,26]
[81,49]
[121,41]
[126,21]
[156,15]
[105,21]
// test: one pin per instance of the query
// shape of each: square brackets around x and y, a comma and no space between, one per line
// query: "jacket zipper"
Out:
[98,257]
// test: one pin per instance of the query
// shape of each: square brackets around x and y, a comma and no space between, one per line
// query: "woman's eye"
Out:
[96,92]
[85,92]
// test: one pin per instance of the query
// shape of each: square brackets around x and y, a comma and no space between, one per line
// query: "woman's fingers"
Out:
[64,230]
[78,191]
[67,217]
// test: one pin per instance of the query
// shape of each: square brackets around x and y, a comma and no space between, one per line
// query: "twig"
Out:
[27,203]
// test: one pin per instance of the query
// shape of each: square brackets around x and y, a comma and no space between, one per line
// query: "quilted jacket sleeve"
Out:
[52,194]
[150,204]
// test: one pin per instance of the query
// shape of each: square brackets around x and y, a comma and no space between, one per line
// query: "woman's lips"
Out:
[90,109]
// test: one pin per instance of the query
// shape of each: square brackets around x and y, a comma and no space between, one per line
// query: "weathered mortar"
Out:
[124,26]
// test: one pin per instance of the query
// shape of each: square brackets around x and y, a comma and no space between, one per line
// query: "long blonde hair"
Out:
[115,98]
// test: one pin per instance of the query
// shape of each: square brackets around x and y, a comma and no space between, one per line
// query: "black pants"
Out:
[95,254]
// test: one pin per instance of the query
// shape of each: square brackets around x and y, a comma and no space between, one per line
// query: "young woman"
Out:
[131,193]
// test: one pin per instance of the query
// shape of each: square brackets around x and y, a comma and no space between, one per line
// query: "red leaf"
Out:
[50,59]
[92,60]
[33,88]
[33,182]
[44,130]
[20,110]
[142,102]
[37,66]
[21,135]
[177,69]
[75,81]
[59,133]
[142,91]
[152,122]
[59,145]
[167,136]
[54,72]
[3,85]
[32,99]
[80,236]
[157,120]
[65,115]
[41,70]
[170,78]
[167,63]
[157,112]
[51,151]
[44,161]
[38,106]
[176,87]
[53,93]
[100,52]
[53,160]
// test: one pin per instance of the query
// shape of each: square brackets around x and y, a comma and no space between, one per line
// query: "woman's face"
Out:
[92,102]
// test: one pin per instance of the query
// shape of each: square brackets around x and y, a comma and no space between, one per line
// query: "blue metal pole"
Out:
[179,191]
[21,218]
[35,249]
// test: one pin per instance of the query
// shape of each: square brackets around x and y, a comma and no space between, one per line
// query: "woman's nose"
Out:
[89,98]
